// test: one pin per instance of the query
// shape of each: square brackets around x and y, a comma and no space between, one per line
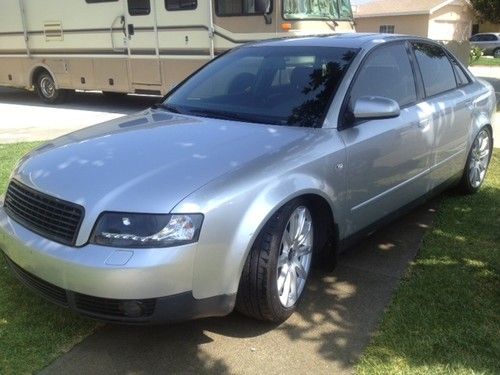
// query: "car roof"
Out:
[346,40]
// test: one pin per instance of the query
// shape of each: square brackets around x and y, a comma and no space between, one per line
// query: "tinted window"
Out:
[139,7]
[181,4]
[386,72]
[242,7]
[279,85]
[436,69]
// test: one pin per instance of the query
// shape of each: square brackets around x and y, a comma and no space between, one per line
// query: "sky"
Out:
[357,2]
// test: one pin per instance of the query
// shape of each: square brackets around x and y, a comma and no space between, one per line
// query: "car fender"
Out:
[234,218]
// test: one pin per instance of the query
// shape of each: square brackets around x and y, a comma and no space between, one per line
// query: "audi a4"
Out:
[271,159]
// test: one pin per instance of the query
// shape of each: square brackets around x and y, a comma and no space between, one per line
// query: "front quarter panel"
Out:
[237,206]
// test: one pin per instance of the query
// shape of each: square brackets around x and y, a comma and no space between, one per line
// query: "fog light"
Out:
[132,309]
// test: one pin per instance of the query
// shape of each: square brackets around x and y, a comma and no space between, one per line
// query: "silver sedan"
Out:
[273,158]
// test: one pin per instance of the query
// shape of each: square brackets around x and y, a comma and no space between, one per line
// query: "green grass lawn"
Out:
[445,316]
[487,61]
[33,332]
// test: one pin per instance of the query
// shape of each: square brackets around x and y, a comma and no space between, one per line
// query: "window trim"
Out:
[217,13]
[341,121]
[180,10]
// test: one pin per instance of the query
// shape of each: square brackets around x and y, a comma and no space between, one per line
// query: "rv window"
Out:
[226,8]
[181,4]
[100,1]
[139,7]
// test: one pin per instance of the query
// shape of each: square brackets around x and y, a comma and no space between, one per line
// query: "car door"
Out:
[387,159]
[449,108]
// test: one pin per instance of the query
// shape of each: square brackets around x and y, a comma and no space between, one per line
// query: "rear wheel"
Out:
[496,53]
[477,162]
[46,90]
[276,270]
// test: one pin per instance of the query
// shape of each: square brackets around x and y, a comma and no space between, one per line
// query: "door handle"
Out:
[131,29]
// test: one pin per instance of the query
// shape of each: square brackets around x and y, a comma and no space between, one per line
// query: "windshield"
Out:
[317,9]
[270,85]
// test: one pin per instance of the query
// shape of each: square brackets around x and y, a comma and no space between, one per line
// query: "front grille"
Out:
[50,217]
[51,292]
[112,307]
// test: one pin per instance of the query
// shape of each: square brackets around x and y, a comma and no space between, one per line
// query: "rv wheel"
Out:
[45,88]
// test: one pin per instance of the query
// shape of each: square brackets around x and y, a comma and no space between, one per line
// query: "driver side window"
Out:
[387,72]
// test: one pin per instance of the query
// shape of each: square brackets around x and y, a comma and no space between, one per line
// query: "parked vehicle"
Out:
[141,46]
[273,157]
[488,42]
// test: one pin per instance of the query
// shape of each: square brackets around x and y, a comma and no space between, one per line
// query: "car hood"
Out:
[147,162]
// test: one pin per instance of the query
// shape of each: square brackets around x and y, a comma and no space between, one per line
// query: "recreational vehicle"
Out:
[141,46]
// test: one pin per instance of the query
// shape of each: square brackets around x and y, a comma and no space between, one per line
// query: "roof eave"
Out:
[392,14]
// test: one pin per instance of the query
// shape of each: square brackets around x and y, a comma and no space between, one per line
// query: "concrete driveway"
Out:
[327,335]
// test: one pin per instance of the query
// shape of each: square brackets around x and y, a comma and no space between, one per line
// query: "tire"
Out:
[45,88]
[496,53]
[477,162]
[272,261]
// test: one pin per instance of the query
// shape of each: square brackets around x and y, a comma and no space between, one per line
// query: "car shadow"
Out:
[327,334]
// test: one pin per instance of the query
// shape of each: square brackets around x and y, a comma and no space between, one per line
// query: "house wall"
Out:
[412,25]
[488,27]
[452,22]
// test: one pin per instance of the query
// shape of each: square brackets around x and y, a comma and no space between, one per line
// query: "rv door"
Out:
[141,31]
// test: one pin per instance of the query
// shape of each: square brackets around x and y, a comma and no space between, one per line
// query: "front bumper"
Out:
[100,281]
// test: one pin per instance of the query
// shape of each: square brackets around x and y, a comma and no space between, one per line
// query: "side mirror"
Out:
[375,107]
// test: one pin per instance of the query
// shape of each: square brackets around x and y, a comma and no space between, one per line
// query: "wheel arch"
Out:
[36,70]
[325,253]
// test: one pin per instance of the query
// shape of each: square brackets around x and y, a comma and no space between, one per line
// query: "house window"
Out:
[387,29]
[224,8]
[181,4]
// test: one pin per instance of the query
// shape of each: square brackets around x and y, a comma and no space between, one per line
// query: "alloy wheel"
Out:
[294,261]
[480,157]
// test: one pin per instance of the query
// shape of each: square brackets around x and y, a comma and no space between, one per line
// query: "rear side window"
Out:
[224,8]
[139,7]
[436,69]
[172,5]
[386,72]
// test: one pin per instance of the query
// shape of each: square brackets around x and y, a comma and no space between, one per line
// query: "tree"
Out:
[488,10]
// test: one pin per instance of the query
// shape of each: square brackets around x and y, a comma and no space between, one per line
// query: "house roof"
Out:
[402,7]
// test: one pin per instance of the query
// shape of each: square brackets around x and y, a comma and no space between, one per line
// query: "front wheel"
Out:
[276,271]
[477,162]
[46,90]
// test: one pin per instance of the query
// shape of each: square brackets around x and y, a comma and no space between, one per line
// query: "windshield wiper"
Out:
[218,114]
[166,107]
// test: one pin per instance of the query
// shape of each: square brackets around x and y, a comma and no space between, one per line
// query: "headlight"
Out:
[146,230]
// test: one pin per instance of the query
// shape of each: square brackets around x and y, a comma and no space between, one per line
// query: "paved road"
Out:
[23,117]
[326,336]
